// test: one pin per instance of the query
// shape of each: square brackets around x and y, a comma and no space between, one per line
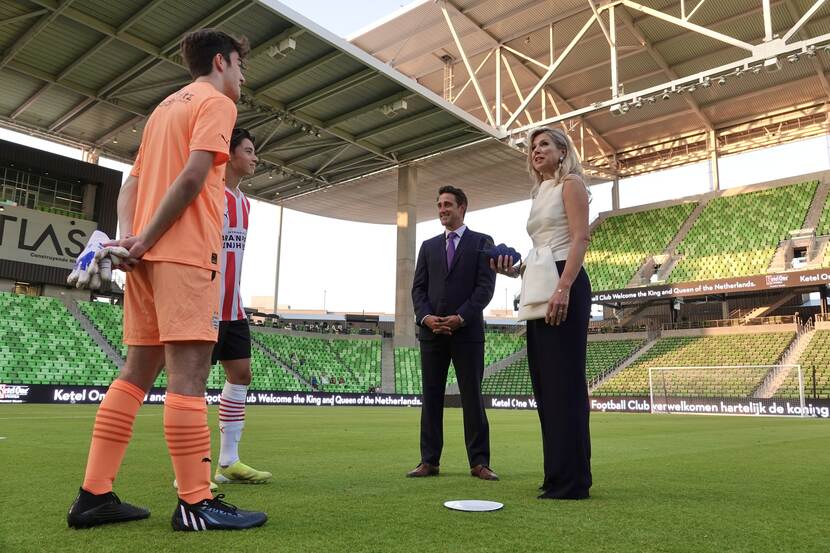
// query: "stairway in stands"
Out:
[276,360]
[93,332]
[452,389]
[670,257]
[777,376]
[634,357]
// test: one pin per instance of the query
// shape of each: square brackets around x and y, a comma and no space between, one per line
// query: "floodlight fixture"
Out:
[771,65]
[618,109]
[519,141]
[393,109]
[282,48]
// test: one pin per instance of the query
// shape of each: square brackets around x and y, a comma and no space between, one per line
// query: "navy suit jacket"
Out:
[463,289]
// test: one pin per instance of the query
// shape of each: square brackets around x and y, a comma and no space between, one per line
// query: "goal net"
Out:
[726,390]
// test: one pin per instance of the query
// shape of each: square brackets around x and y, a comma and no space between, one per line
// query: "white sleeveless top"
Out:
[547,226]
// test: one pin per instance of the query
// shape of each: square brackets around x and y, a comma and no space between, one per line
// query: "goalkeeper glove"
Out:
[93,268]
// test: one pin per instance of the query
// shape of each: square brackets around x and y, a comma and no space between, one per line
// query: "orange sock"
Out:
[188,439]
[111,435]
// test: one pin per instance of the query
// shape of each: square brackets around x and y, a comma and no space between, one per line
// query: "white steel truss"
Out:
[607,15]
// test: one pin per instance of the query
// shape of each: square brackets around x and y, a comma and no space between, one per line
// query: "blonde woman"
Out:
[556,303]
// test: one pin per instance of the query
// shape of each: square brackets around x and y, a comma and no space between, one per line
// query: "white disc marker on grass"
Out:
[473,505]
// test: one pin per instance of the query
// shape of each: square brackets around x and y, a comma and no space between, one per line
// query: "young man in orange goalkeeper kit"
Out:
[171,211]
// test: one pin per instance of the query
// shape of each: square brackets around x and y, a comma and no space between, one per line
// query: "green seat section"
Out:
[823,227]
[514,379]
[602,357]
[42,343]
[498,345]
[605,356]
[350,367]
[738,235]
[266,375]
[108,320]
[815,367]
[691,351]
[621,243]
[362,357]
[408,371]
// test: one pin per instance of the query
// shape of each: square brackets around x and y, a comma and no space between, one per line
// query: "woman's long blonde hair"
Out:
[570,165]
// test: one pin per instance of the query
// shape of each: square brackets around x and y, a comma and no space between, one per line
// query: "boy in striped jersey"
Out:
[233,348]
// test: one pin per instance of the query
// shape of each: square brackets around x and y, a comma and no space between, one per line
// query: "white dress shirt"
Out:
[459,231]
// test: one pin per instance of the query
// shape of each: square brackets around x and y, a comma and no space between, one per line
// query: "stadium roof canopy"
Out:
[88,73]
[639,85]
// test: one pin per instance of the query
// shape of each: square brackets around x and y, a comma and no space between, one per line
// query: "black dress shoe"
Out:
[423,470]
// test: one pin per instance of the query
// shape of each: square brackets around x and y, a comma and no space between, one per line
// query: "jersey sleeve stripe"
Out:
[231,209]
[246,206]
[230,279]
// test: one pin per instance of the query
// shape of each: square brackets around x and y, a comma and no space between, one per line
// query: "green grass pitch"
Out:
[661,483]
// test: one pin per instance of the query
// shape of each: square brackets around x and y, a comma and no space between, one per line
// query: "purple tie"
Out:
[450,248]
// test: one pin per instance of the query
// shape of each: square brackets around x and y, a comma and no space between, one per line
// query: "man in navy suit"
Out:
[452,286]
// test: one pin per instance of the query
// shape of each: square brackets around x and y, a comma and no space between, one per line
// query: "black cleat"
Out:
[90,510]
[214,514]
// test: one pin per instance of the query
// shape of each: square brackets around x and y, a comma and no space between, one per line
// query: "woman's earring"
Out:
[561,159]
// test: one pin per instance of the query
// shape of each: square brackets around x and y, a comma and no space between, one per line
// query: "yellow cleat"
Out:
[240,473]
[213,486]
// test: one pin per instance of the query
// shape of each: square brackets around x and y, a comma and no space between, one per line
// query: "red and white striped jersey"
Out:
[234,234]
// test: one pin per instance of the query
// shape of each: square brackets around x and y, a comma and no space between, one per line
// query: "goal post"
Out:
[753,390]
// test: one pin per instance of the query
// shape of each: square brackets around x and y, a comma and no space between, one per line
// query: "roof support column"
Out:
[88,207]
[405,255]
[277,269]
[714,173]
[615,194]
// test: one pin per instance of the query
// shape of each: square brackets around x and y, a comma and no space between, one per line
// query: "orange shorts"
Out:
[170,302]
